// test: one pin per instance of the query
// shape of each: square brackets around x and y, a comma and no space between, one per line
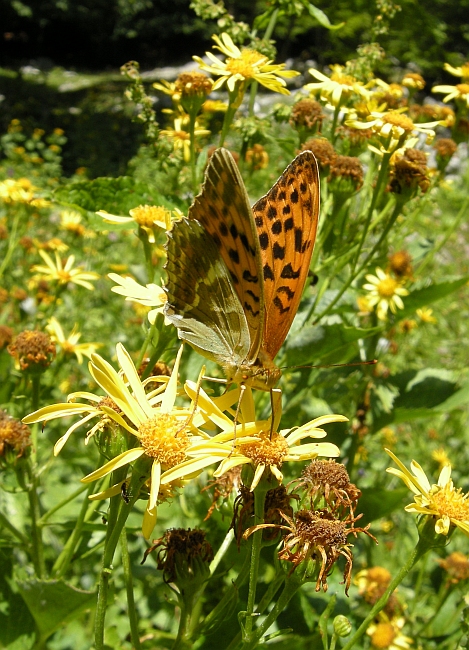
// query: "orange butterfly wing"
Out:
[286,219]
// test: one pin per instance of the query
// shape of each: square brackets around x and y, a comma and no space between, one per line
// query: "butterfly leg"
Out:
[275,408]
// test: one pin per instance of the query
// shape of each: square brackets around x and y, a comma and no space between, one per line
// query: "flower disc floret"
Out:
[163,439]
[269,450]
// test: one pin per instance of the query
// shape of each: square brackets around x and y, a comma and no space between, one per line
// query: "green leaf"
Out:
[420,394]
[428,295]
[52,602]
[387,394]
[114,195]
[321,17]
[312,343]
[376,503]
[16,623]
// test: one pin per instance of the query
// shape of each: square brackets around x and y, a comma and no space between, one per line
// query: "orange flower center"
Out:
[387,287]
[402,121]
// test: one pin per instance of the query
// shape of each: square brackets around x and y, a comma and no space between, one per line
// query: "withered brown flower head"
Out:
[318,535]
[14,435]
[372,583]
[445,148]
[191,84]
[3,232]
[400,263]
[457,566]
[307,113]
[347,168]
[330,480]
[33,350]
[409,174]
[4,295]
[430,113]
[6,336]
[257,157]
[323,150]
[178,546]
[222,487]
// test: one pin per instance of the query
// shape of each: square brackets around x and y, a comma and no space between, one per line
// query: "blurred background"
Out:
[60,59]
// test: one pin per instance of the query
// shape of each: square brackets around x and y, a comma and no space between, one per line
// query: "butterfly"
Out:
[235,275]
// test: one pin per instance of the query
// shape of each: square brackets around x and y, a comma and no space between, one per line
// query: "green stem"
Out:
[366,261]
[118,517]
[259,501]
[11,243]
[271,26]
[192,119]
[419,551]
[62,503]
[132,613]
[145,344]
[36,531]
[6,523]
[374,199]
[435,249]
[63,561]
[252,97]
[334,121]
[143,236]
[292,583]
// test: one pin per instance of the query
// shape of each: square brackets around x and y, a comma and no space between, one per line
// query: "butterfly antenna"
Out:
[188,422]
[372,362]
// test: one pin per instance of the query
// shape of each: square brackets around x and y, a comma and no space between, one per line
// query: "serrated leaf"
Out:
[321,17]
[114,195]
[424,297]
[52,602]
[387,394]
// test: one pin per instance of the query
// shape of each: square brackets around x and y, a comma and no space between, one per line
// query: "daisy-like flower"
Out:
[71,220]
[145,216]
[425,315]
[386,633]
[461,71]
[385,293]
[21,191]
[69,344]
[459,92]
[150,295]
[182,139]
[395,128]
[270,449]
[339,86]
[64,273]
[244,66]
[163,431]
[442,501]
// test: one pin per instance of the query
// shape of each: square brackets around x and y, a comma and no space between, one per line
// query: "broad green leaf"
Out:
[420,394]
[310,344]
[428,295]
[114,195]
[16,623]
[321,17]
[51,602]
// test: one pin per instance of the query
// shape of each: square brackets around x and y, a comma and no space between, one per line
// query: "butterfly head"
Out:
[263,374]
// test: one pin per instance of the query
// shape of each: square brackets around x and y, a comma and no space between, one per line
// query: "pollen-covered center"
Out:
[266,450]
[402,121]
[452,503]
[463,89]
[146,215]
[165,439]
[387,287]
[319,529]
[247,65]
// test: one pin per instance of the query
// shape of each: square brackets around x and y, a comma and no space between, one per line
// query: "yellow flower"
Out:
[385,293]
[394,127]
[71,220]
[244,66]
[460,92]
[336,87]
[181,139]
[21,191]
[462,71]
[168,88]
[146,216]
[69,344]
[150,295]
[386,633]
[269,449]
[441,457]
[64,273]
[447,505]
[425,315]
